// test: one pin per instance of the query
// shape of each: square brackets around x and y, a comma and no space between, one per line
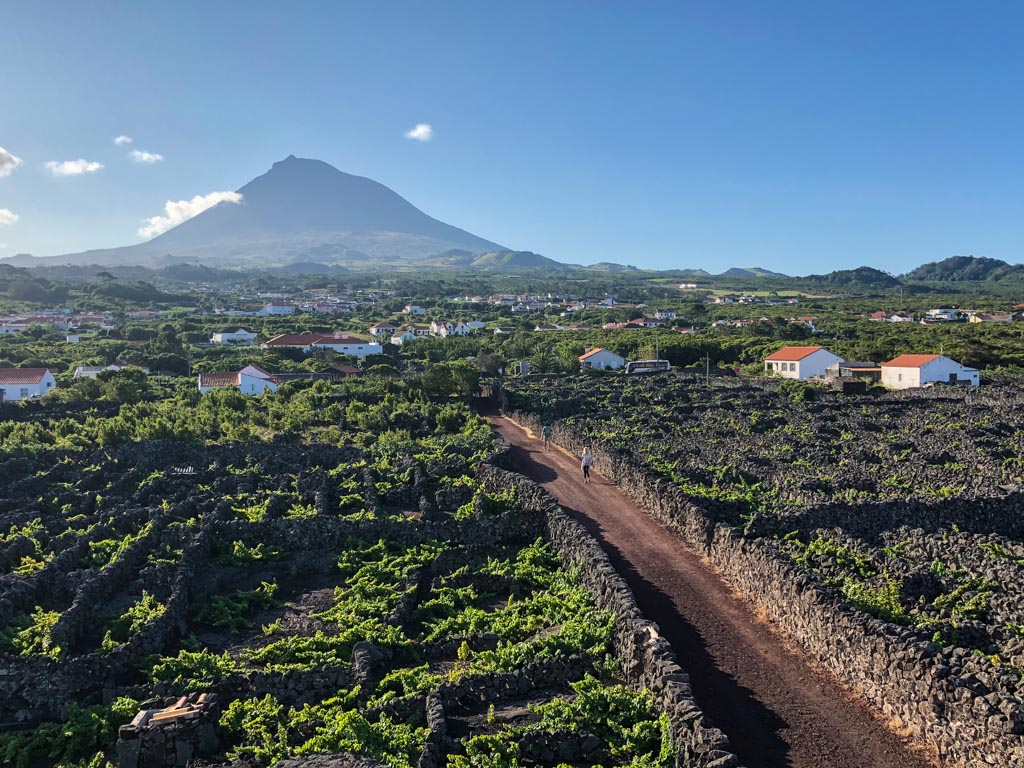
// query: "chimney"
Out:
[586,350]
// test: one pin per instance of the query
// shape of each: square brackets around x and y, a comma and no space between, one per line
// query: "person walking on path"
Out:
[547,437]
[586,459]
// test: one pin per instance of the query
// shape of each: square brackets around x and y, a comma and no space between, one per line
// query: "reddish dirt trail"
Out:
[775,708]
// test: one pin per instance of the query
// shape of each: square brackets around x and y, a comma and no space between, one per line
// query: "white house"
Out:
[991,317]
[800,362]
[251,380]
[403,337]
[339,342]
[383,329]
[413,309]
[665,314]
[943,313]
[276,309]
[909,371]
[92,371]
[598,359]
[444,329]
[234,337]
[22,383]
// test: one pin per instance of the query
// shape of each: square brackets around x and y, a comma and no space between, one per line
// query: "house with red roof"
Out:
[383,330]
[911,371]
[23,383]
[800,362]
[251,380]
[339,342]
[598,359]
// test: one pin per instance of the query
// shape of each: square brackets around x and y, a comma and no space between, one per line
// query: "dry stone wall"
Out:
[938,695]
[646,658]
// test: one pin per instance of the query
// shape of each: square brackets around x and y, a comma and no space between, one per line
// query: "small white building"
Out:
[404,337]
[251,380]
[910,371]
[598,359]
[92,371]
[800,362]
[341,343]
[23,383]
[413,309]
[665,314]
[383,330]
[990,317]
[234,337]
[276,309]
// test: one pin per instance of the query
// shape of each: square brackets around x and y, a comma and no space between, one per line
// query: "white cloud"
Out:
[122,140]
[8,162]
[8,217]
[139,156]
[73,167]
[422,132]
[183,210]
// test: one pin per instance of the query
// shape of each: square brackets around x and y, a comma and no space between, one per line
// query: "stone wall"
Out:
[945,698]
[646,658]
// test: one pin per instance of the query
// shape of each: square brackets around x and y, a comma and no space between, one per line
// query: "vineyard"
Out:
[347,585]
[883,530]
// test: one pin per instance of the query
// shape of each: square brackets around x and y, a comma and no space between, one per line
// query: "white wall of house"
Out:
[403,337]
[937,371]
[360,349]
[254,385]
[603,360]
[276,309]
[239,337]
[24,391]
[808,367]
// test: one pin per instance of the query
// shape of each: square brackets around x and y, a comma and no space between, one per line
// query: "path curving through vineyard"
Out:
[775,707]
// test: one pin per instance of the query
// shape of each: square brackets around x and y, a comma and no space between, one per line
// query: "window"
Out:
[24,391]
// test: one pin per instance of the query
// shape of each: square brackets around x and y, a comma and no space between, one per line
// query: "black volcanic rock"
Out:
[300,210]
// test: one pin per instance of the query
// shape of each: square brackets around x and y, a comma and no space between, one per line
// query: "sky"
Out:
[801,136]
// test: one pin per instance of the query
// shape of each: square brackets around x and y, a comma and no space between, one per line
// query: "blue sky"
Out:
[802,136]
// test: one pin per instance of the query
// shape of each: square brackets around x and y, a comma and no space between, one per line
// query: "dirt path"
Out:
[776,709]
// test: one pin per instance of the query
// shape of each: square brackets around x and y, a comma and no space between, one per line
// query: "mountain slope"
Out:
[751,272]
[967,268]
[300,210]
[861,277]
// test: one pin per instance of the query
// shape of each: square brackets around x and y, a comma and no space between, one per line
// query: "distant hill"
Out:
[298,211]
[751,272]
[861,277]
[311,268]
[611,266]
[513,260]
[967,269]
[457,258]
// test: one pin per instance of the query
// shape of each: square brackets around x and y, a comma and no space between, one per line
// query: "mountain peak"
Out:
[304,209]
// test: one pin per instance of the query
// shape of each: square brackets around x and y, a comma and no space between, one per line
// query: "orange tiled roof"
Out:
[792,353]
[910,361]
[22,375]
